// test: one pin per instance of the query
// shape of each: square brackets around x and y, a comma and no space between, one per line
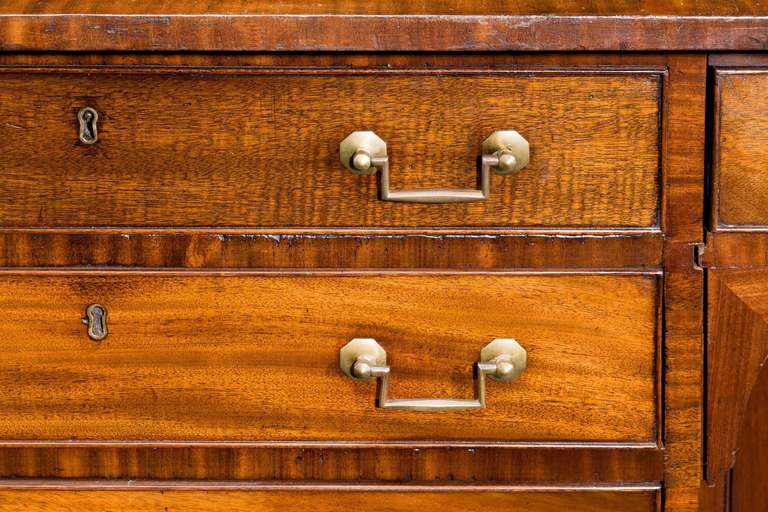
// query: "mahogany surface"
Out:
[236,357]
[634,248]
[459,25]
[392,7]
[260,148]
[740,161]
[735,261]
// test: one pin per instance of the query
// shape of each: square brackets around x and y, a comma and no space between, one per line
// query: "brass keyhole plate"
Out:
[88,119]
[96,320]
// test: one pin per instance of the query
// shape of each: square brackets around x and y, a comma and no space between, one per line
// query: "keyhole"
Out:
[88,119]
[88,125]
[96,320]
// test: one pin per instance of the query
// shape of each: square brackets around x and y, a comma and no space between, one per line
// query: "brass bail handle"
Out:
[364,359]
[503,152]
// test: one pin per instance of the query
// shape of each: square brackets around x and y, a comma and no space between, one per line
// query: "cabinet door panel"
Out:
[737,348]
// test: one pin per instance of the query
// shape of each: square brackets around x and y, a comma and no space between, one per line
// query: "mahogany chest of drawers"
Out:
[392,255]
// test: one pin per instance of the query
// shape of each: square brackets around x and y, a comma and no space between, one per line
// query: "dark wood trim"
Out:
[683,173]
[734,249]
[738,60]
[462,463]
[428,32]
[528,61]
[265,249]
[337,71]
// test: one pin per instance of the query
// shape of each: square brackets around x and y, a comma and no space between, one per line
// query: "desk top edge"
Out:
[85,32]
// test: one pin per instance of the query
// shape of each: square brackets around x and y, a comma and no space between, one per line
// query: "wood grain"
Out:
[237,357]
[749,477]
[97,497]
[427,61]
[407,462]
[729,249]
[737,344]
[331,249]
[683,178]
[682,185]
[737,350]
[743,60]
[260,149]
[741,152]
[390,32]
[453,7]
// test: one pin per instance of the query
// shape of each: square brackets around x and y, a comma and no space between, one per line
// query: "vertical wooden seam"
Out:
[684,197]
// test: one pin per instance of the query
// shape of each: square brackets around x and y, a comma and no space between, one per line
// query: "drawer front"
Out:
[239,498]
[256,356]
[741,148]
[237,148]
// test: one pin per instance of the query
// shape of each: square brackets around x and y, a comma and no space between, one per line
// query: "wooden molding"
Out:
[265,249]
[421,32]
[532,462]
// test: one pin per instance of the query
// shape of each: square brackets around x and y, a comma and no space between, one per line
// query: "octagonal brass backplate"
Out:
[508,349]
[365,140]
[511,141]
[366,348]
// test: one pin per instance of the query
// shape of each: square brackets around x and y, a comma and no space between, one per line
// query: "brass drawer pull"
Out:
[364,359]
[503,152]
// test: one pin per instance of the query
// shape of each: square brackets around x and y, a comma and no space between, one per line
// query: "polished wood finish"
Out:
[737,349]
[678,233]
[734,249]
[462,25]
[734,261]
[740,188]
[331,249]
[734,60]
[244,148]
[683,283]
[749,476]
[150,497]
[393,7]
[233,357]
[363,462]
[734,257]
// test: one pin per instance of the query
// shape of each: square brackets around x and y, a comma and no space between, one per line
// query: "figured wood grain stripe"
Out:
[430,249]
[238,357]
[412,462]
[250,148]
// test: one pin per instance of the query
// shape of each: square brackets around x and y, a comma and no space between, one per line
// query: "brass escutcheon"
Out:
[88,132]
[96,320]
